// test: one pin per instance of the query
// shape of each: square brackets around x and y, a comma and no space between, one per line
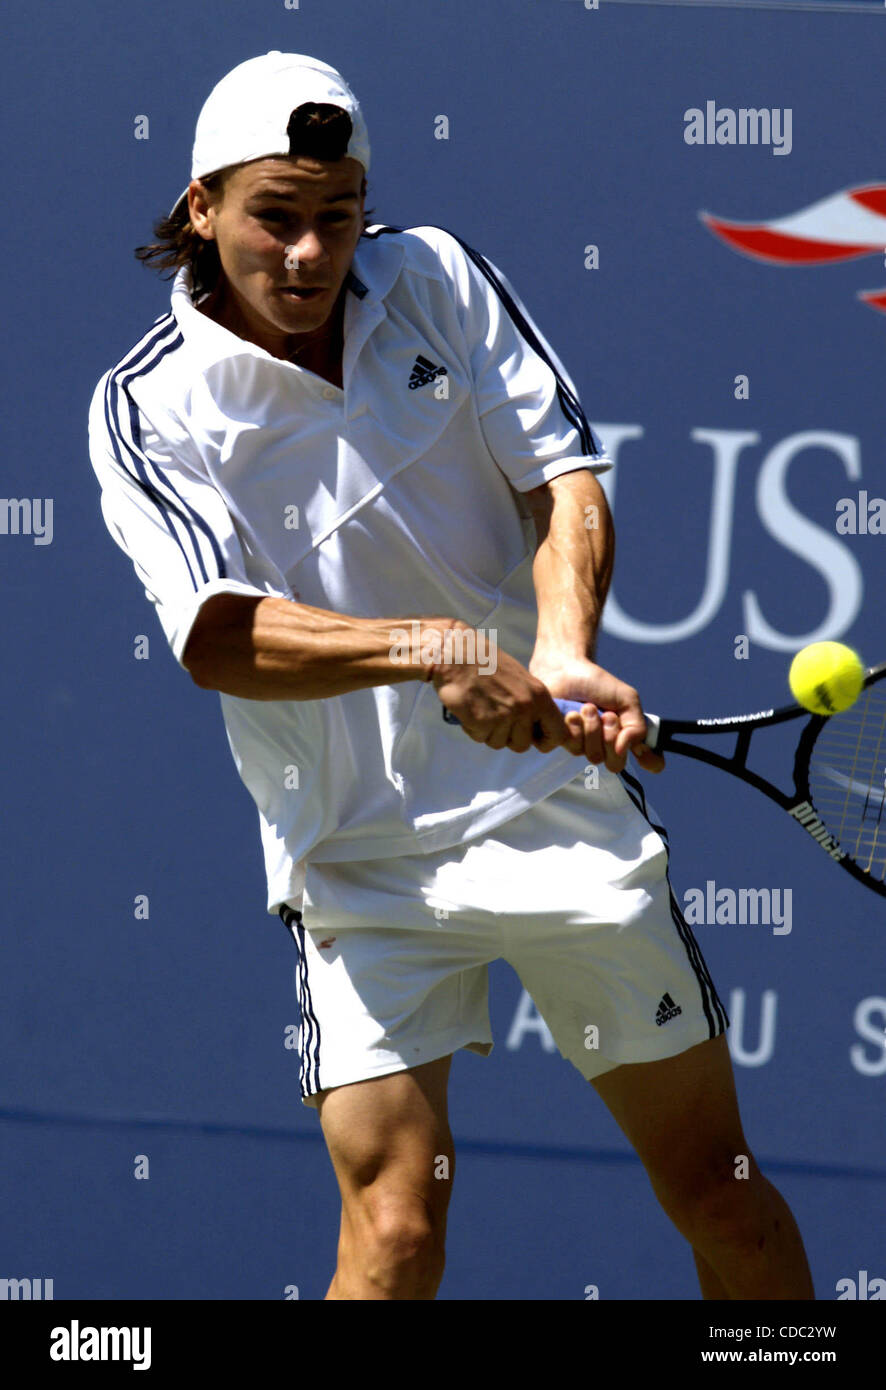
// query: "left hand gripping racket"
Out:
[839,790]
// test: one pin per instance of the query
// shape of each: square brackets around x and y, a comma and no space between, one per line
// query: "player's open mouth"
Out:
[300,294]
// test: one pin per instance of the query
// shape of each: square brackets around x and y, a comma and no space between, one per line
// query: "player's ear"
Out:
[200,203]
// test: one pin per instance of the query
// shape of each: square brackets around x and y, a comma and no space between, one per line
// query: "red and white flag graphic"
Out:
[848,224]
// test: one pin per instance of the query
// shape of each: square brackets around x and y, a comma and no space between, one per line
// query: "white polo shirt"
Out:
[224,469]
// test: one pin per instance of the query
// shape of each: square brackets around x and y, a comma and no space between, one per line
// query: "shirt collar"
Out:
[374,269]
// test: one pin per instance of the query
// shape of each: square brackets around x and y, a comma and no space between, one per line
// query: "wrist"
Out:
[554,657]
[449,646]
[431,645]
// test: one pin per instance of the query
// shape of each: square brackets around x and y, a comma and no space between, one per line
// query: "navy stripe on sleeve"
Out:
[569,402]
[182,521]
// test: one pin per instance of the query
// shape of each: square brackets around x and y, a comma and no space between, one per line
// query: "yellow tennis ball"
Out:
[826,677]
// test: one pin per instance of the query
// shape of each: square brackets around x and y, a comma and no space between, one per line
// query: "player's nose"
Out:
[309,248]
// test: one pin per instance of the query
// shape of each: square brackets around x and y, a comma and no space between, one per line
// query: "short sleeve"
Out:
[171,522]
[530,414]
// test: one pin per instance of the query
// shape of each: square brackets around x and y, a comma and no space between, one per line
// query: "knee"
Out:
[404,1247]
[720,1206]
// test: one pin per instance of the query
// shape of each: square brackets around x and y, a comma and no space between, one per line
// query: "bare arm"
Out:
[573,563]
[276,649]
[572,572]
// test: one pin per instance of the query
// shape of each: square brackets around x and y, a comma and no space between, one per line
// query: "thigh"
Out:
[375,1001]
[681,1116]
[389,1138]
[627,987]
[597,937]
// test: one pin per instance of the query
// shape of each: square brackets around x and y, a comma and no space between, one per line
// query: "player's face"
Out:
[286,231]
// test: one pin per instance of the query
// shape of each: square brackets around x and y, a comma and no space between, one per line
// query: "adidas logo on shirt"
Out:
[424,372]
[667,1010]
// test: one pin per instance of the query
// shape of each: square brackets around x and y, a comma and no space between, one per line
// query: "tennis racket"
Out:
[839,791]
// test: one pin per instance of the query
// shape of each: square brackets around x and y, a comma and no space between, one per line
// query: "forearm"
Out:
[572,569]
[276,649]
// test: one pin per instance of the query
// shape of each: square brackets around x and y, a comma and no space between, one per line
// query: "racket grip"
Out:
[567,706]
[564,707]
[653,722]
[653,729]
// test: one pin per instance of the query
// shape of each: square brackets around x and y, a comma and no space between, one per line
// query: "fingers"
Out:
[518,737]
[595,735]
[592,735]
[649,761]
[521,738]
[549,730]
[598,735]
[602,736]
[631,738]
[612,736]
[544,730]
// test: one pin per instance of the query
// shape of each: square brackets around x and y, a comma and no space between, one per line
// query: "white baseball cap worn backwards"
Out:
[247,113]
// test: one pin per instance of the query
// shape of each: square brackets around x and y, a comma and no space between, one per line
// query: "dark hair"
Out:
[317,130]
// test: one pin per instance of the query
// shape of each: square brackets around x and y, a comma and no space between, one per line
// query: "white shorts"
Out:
[573,893]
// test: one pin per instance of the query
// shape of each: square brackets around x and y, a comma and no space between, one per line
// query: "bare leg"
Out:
[711,1287]
[392,1151]
[681,1115]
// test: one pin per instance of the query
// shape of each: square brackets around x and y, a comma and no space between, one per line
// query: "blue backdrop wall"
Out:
[566,163]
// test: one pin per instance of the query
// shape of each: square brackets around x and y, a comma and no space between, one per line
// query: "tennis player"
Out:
[360,490]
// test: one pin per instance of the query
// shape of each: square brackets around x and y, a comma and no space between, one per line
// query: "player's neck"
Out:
[319,351]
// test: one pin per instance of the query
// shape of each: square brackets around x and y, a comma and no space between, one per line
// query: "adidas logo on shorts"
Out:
[667,1010]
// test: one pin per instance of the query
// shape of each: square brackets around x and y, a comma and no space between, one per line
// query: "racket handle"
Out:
[566,707]
[653,723]
[653,729]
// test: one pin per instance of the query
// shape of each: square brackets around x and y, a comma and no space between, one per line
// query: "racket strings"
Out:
[847,780]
